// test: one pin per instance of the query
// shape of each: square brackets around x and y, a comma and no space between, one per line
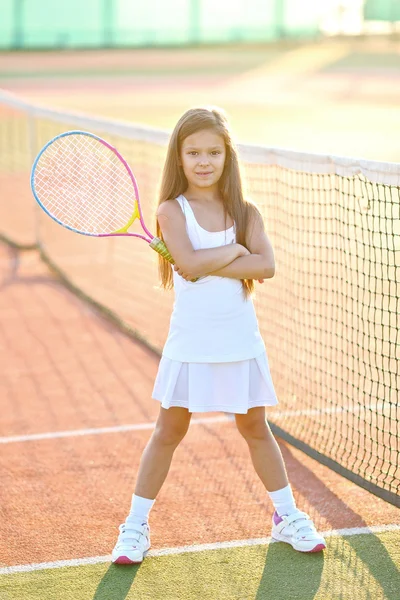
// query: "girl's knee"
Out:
[253,427]
[170,432]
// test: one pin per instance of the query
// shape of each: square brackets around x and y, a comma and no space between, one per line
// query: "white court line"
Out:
[274,414]
[79,562]
[98,430]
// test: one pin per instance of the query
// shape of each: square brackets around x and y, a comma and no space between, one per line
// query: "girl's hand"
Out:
[182,274]
[243,250]
[260,280]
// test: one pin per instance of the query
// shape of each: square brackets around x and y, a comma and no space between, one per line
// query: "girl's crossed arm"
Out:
[191,263]
[259,263]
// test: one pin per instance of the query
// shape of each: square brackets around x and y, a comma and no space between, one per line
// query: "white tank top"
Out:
[211,321]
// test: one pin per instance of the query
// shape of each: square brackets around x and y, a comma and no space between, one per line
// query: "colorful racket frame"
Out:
[154,242]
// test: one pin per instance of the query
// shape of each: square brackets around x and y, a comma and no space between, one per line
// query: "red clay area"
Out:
[65,368]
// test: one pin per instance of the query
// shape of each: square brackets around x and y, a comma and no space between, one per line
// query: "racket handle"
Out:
[159,246]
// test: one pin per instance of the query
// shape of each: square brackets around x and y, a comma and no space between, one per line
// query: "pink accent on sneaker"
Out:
[297,543]
[124,560]
[318,548]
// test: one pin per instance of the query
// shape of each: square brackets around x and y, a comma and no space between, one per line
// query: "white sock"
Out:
[283,501]
[140,509]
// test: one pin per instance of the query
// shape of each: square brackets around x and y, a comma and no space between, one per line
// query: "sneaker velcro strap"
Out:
[133,527]
[132,532]
[296,516]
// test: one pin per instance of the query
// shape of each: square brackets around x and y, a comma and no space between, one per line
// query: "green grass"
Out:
[352,568]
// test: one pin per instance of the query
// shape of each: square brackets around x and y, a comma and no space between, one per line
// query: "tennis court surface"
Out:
[77,411]
[76,387]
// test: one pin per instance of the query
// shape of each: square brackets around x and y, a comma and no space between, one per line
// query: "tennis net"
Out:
[329,317]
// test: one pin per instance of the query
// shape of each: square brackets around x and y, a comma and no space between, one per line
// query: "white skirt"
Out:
[231,387]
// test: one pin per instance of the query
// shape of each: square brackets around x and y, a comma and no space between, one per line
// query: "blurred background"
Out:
[36,24]
[317,76]
[310,77]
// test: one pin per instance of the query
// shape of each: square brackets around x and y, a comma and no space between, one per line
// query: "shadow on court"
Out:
[351,564]
[355,560]
[116,583]
[288,575]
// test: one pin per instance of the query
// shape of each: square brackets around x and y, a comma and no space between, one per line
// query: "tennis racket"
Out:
[84,184]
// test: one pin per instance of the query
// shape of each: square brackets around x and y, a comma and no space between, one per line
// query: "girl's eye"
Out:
[195,153]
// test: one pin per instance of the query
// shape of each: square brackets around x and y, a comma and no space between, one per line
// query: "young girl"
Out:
[214,358]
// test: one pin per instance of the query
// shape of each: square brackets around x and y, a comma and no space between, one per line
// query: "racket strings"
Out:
[83,184]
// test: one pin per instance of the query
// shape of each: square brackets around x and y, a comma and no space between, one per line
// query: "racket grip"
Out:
[159,246]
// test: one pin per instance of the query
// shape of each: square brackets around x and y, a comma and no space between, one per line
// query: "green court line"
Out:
[383,62]
[115,72]
[359,567]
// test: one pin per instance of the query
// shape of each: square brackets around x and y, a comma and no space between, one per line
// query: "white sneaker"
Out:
[132,545]
[298,530]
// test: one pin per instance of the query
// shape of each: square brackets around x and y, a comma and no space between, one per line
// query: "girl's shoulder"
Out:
[253,212]
[169,208]
[254,220]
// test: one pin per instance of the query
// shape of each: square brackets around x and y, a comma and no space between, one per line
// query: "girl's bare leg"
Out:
[264,450]
[171,428]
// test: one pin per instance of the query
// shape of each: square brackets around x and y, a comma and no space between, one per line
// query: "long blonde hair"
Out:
[174,182]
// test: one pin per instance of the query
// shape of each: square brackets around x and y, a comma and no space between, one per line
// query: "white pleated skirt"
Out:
[231,387]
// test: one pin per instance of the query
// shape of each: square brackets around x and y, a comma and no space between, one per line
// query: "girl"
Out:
[214,358]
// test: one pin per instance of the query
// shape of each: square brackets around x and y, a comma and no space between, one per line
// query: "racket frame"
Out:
[136,212]
[155,243]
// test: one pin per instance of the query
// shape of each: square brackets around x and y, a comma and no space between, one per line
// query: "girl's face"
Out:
[203,158]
